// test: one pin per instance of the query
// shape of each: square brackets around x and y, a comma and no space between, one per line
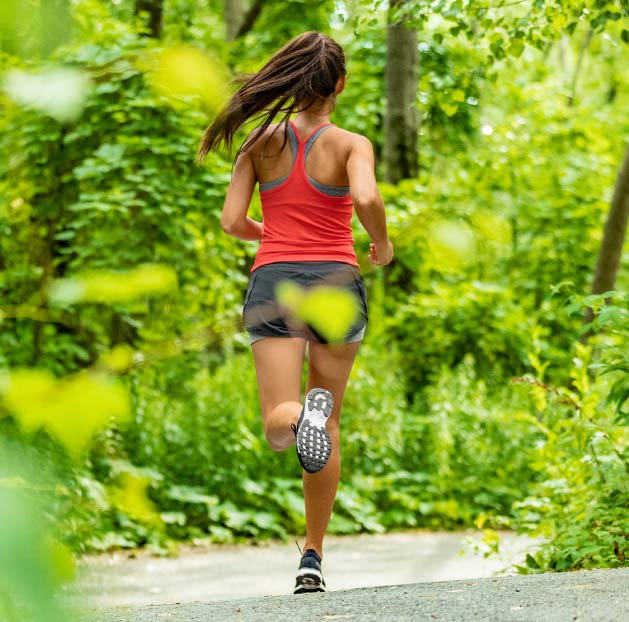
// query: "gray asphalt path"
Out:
[587,596]
[208,572]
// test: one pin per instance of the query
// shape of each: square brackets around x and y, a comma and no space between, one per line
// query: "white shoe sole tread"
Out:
[313,441]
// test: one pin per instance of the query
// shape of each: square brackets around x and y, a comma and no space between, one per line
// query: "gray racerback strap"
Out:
[294,145]
[333,191]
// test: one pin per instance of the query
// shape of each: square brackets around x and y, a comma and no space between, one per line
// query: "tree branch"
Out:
[613,240]
[250,18]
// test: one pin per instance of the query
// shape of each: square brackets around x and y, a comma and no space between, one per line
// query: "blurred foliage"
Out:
[31,567]
[330,310]
[127,384]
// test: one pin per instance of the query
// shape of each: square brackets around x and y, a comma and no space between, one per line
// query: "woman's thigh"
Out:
[329,367]
[279,363]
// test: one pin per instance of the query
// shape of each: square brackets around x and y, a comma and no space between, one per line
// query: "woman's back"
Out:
[325,162]
[303,80]
[306,209]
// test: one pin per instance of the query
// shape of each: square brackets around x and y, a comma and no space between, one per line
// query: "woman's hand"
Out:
[381,254]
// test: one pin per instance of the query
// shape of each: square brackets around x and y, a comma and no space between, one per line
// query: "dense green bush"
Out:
[120,188]
[579,504]
[437,330]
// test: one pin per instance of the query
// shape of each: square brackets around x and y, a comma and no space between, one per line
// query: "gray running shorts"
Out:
[264,317]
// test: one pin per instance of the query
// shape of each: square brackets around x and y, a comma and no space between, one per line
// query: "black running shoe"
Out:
[309,577]
[313,441]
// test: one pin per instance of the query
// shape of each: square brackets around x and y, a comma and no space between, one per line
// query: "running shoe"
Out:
[313,442]
[309,577]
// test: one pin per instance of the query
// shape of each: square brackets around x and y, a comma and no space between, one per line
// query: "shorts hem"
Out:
[353,338]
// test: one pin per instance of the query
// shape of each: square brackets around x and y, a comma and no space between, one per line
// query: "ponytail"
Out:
[304,71]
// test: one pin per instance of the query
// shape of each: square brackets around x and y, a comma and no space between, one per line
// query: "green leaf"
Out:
[531,562]
[516,48]
[449,108]
[558,21]
[72,409]
[109,286]
[330,310]
[186,70]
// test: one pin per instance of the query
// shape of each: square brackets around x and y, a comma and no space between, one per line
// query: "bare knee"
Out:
[272,440]
[278,421]
[278,438]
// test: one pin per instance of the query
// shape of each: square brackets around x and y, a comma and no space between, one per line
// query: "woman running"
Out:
[311,175]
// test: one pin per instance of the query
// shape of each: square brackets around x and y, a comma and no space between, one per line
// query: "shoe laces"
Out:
[311,553]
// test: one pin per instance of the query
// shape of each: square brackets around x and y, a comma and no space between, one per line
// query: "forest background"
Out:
[491,389]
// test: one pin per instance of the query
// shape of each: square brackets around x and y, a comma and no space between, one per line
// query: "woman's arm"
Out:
[234,219]
[367,200]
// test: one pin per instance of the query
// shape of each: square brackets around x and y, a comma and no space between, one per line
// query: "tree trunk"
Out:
[121,331]
[44,257]
[249,18]
[613,238]
[155,9]
[233,12]
[401,83]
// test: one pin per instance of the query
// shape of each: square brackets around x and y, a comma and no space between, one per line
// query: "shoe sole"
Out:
[307,584]
[306,590]
[312,440]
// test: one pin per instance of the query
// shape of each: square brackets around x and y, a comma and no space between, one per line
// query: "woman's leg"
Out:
[279,363]
[329,367]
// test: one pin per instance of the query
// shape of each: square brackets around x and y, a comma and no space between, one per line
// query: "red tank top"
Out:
[303,223]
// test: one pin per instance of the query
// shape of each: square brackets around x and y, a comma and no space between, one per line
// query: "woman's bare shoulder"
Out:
[259,142]
[351,137]
[350,141]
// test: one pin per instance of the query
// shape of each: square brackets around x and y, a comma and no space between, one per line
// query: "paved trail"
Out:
[219,572]
[587,596]
[389,578]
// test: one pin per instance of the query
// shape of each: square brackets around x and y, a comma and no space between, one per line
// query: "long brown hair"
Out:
[304,71]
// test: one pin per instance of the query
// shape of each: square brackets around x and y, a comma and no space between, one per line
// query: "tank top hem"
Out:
[280,257]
